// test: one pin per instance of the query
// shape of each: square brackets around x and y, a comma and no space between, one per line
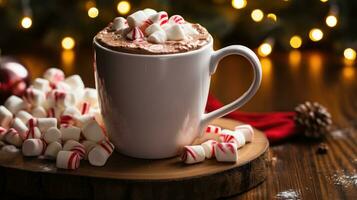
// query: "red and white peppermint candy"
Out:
[226,152]
[13,137]
[33,133]
[60,98]
[54,75]
[67,160]
[177,19]
[209,146]
[98,155]
[213,129]
[227,138]
[193,154]
[80,150]
[135,34]
[161,18]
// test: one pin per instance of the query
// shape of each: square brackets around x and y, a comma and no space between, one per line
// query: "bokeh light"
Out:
[331,21]
[265,49]
[349,54]
[324,1]
[123,7]
[68,43]
[295,41]
[93,12]
[26,22]
[257,15]
[272,16]
[239,4]
[316,34]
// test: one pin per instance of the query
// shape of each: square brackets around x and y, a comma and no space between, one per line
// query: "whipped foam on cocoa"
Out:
[150,32]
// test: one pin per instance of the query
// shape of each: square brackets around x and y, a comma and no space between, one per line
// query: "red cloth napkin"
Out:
[276,125]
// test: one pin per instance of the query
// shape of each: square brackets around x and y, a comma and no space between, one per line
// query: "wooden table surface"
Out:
[296,171]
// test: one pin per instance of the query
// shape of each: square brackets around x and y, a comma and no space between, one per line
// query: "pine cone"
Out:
[313,119]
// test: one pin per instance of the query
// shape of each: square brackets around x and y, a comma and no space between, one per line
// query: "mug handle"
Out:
[254,61]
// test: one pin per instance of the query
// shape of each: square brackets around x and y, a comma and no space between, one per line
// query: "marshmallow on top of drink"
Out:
[150,32]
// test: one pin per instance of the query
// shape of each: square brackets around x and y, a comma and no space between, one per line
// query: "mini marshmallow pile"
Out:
[223,145]
[57,118]
[157,27]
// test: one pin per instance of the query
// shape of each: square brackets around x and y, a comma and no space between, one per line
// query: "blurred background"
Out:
[306,46]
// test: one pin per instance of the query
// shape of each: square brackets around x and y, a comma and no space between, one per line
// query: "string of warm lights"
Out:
[123,7]
[315,34]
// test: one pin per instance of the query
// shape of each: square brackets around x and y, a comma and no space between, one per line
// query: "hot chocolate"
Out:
[150,32]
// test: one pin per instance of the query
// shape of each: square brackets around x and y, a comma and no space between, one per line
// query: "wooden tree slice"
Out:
[128,178]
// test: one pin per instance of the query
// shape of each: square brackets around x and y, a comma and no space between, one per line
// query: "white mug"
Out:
[153,105]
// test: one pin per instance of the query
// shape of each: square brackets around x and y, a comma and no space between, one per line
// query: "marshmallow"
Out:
[45,123]
[119,23]
[90,95]
[2,133]
[39,112]
[88,146]
[41,84]
[10,149]
[238,138]
[157,37]
[33,133]
[5,117]
[52,150]
[15,104]
[62,86]
[175,32]
[193,154]
[13,137]
[68,145]
[20,127]
[24,116]
[98,155]
[135,34]
[33,147]
[69,115]
[136,19]
[35,97]
[67,160]
[213,129]
[54,75]
[70,132]
[208,146]
[226,152]
[247,131]
[93,132]
[153,28]
[97,115]
[53,134]
[148,12]
[81,121]
[60,98]
[189,30]
[176,19]
[75,82]
[161,18]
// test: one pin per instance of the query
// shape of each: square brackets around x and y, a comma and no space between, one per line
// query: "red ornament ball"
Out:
[14,78]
